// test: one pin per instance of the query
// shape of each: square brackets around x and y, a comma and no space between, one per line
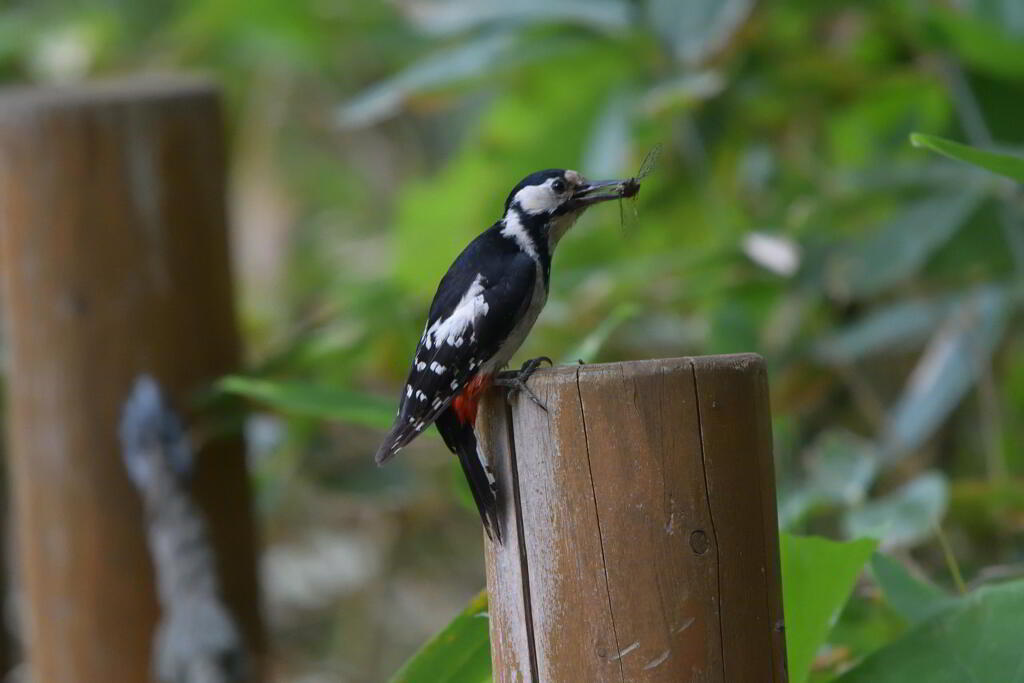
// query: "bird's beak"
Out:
[599,191]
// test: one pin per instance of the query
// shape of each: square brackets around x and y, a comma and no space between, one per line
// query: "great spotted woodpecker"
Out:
[484,307]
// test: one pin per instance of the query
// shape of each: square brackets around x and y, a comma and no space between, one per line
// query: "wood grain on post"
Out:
[114,261]
[640,525]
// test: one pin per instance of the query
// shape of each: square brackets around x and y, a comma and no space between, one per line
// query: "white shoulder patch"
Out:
[471,307]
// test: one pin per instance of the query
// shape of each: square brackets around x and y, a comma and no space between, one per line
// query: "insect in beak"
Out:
[599,191]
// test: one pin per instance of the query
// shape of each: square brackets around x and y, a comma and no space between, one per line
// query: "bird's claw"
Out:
[515,380]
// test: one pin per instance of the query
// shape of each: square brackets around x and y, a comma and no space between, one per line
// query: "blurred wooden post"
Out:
[640,524]
[114,261]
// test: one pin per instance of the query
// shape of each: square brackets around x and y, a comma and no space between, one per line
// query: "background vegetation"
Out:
[790,215]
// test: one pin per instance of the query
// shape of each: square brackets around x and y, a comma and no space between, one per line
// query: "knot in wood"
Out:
[699,542]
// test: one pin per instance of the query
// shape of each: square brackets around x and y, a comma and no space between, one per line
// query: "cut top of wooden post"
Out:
[641,540]
[132,90]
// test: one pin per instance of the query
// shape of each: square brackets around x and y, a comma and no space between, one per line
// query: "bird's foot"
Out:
[515,380]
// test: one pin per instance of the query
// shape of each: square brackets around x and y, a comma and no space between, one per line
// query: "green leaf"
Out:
[900,247]
[866,624]
[913,598]
[952,362]
[1006,165]
[311,400]
[460,653]
[906,516]
[976,639]
[817,577]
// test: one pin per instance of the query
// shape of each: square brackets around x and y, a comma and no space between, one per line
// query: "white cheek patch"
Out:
[535,199]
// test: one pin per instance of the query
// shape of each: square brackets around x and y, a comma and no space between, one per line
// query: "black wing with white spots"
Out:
[476,306]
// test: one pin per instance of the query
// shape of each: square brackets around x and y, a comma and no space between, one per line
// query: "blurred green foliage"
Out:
[790,215]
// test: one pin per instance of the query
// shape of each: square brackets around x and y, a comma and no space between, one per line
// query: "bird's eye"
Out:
[558,186]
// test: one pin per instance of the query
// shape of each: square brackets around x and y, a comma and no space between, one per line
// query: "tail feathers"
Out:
[461,440]
[397,439]
[391,445]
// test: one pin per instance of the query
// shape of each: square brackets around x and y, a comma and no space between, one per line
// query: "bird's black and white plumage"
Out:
[484,307]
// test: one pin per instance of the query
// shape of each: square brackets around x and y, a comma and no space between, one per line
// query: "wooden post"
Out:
[640,524]
[114,261]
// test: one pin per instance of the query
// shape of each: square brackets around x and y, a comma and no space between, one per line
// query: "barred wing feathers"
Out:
[473,312]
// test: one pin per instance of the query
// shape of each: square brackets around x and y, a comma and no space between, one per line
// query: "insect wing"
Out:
[649,162]
[629,217]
